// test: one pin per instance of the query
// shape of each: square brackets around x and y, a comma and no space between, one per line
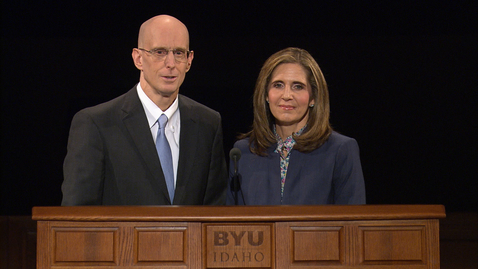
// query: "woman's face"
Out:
[289,95]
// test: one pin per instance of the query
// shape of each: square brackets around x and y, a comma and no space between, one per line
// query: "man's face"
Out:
[164,76]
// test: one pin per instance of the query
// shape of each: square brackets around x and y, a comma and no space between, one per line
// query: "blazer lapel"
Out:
[187,148]
[274,183]
[135,121]
[293,174]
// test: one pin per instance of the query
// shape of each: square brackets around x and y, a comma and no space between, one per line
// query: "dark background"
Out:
[402,78]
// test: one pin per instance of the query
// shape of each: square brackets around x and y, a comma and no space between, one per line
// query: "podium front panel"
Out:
[293,237]
[407,244]
[239,245]
[119,245]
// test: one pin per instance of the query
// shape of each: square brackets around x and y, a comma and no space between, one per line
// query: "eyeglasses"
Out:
[180,55]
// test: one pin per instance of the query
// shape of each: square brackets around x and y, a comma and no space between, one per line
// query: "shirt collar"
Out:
[289,142]
[153,111]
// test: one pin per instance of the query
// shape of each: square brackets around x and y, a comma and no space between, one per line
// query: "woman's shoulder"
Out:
[242,144]
[337,140]
[337,137]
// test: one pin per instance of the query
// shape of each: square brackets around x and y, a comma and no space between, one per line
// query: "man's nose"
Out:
[169,60]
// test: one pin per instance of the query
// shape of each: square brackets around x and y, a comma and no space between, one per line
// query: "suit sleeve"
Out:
[83,167]
[349,186]
[217,179]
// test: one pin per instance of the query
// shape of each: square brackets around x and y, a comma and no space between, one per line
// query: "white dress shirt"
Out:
[173,127]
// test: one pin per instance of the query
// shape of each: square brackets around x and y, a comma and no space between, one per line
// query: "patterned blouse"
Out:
[284,148]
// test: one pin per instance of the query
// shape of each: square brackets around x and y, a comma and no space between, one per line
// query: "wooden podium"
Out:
[309,237]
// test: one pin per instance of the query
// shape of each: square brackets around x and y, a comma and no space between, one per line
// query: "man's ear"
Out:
[190,60]
[137,59]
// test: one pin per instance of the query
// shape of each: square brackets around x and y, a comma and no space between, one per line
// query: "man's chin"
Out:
[169,93]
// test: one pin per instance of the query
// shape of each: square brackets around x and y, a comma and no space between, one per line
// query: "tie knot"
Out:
[163,119]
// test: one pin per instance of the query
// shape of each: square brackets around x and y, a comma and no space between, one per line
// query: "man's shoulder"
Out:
[112,105]
[193,107]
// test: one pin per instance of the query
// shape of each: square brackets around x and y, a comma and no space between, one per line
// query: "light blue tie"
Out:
[165,157]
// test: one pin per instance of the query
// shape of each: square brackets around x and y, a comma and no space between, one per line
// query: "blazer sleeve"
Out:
[349,186]
[217,178]
[83,166]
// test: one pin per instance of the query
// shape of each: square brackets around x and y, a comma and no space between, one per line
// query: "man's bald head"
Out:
[161,25]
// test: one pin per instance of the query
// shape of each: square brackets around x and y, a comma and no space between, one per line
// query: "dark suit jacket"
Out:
[331,174]
[112,158]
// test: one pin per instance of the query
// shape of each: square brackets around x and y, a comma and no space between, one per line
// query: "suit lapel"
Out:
[187,147]
[274,174]
[293,171]
[134,119]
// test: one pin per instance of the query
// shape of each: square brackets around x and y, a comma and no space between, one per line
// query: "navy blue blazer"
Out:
[331,174]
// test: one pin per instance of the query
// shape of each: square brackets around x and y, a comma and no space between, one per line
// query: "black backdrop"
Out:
[402,78]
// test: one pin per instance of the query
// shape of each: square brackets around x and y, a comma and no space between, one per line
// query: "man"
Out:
[112,158]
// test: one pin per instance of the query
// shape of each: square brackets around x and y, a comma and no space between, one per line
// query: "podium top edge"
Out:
[238,213]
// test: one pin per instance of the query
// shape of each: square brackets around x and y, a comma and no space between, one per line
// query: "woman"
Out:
[292,155]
